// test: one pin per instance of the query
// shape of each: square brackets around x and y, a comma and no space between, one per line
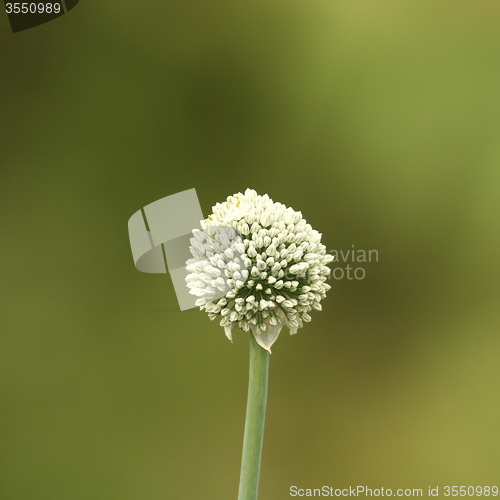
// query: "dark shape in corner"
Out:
[70,4]
[51,10]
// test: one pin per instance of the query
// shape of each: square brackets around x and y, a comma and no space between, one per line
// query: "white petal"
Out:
[227,331]
[268,338]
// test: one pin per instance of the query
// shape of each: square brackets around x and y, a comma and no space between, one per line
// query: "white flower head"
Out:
[257,265]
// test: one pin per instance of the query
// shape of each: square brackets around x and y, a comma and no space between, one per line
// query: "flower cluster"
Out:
[258,265]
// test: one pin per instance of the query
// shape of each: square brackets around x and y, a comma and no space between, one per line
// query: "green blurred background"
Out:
[379,120]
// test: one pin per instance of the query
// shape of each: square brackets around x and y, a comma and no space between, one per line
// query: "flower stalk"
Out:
[254,423]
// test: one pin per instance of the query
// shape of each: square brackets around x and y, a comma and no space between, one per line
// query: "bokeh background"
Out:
[379,120]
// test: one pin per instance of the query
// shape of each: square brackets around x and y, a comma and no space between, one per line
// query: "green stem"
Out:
[254,424]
